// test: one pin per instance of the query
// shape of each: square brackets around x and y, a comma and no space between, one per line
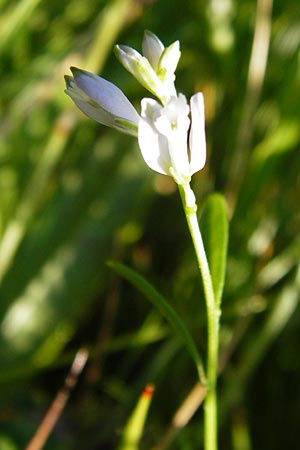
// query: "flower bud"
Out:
[155,70]
[152,49]
[102,101]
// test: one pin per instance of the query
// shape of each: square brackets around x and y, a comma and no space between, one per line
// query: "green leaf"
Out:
[214,228]
[165,309]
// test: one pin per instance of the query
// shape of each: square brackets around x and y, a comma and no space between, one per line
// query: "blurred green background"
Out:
[74,194]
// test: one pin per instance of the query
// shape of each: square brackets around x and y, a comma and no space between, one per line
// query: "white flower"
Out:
[171,134]
[155,70]
[102,101]
[169,143]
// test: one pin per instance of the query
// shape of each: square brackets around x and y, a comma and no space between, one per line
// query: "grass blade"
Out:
[165,309]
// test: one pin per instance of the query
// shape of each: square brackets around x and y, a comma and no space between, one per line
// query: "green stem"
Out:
[213,317]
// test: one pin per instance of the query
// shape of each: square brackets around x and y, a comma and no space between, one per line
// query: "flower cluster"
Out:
[170,132]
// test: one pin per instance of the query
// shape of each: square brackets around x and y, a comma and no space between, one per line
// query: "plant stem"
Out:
[213,317]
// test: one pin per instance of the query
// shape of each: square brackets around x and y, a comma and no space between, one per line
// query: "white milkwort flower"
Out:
[171,133]
[102,101]
[170,142]
[156,69]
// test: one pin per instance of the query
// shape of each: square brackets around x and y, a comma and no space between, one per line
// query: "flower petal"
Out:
[84,103]
[174,123]
[153,145]
[108,96]
[197,140]
[169,59]
[152,48]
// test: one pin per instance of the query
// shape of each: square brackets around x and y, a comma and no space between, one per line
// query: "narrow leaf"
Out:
[214,227]
[165,309]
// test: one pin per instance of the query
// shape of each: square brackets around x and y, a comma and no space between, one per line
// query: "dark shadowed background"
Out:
[74,194]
